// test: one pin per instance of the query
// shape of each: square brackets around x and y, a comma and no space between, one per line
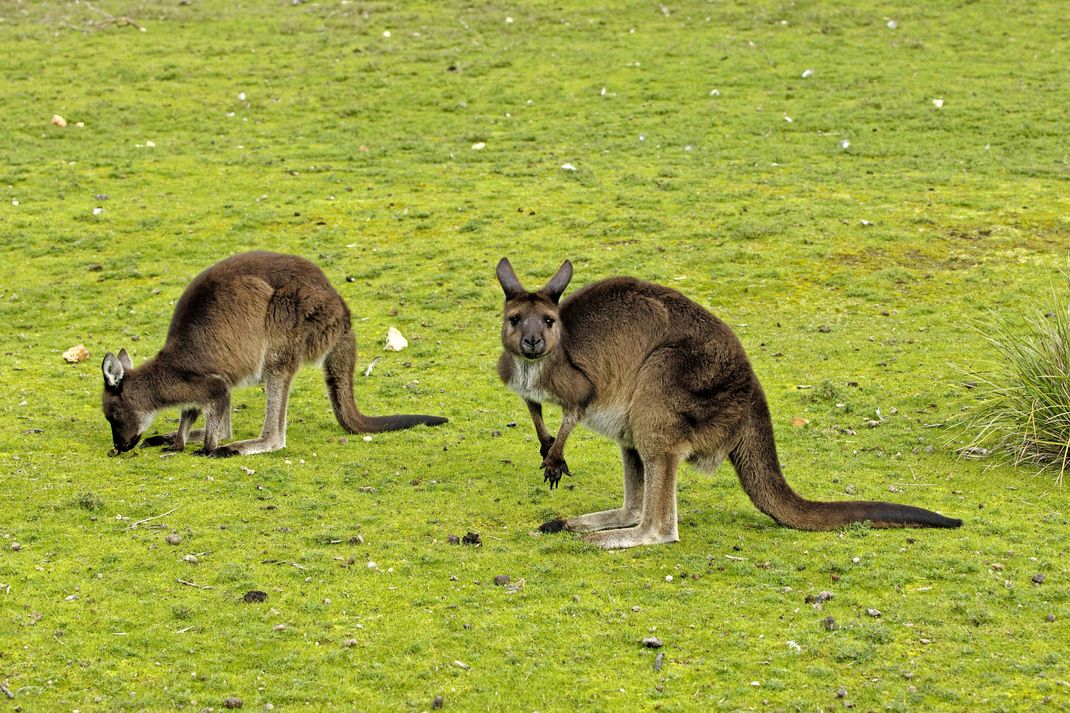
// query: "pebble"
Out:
[501,580]
[437,703]
[873,613]
[1038,578]
[652,642]
[233,702]
[830,623]
[15,546]
[173,539]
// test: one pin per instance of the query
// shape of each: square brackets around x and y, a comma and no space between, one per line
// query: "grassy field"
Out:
[852,186]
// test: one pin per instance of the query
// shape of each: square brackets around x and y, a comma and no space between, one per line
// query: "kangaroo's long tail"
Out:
[755,461]
[338,372]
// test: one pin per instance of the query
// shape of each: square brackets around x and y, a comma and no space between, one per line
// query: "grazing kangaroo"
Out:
[253,317]
[669,382]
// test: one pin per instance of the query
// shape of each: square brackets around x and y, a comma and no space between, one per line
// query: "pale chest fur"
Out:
[527,380]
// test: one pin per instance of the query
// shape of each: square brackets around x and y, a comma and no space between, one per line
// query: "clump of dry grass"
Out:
[1023,400]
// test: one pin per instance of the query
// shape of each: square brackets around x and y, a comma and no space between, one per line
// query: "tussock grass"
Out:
[1022,408]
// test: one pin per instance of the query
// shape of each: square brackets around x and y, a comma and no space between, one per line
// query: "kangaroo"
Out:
[669,382]
[252,317]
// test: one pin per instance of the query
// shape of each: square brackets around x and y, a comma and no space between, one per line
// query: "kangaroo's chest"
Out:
[527,381]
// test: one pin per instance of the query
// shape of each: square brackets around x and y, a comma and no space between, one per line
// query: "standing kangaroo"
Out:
[253,317]
[669,382]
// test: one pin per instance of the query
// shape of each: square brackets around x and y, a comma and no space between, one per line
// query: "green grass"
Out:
[1022,408]
[355,149]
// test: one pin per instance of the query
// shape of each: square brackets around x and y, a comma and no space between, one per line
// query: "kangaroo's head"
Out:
[531,327]
[127,417]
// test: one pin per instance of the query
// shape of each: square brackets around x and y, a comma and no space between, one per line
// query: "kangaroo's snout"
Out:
[124,446]
[532,345]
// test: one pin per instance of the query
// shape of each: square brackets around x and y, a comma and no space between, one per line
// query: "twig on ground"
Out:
[193,584]
[154,517]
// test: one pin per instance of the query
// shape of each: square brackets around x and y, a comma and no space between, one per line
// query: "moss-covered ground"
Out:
[851,186]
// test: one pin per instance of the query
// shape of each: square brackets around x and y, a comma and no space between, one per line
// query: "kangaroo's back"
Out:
[233,312]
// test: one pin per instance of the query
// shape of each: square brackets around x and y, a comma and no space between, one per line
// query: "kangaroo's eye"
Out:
[549,321]
[514,321]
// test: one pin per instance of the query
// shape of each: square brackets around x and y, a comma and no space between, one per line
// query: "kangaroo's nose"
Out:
[532,343]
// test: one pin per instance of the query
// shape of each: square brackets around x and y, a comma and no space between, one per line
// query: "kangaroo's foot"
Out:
[605,520]
[630,537]
[246,448]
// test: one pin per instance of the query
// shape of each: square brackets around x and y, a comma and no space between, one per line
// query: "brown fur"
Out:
[669,382]
[253,317]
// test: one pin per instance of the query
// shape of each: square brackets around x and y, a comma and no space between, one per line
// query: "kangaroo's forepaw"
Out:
[224,452]
[556,525]
[553,469]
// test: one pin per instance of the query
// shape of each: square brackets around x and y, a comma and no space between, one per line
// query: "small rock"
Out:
[501,580]
[873,613]
[824,329]
[472,538]
[192,559]
[76,354]
[658,660]
[437,703]
[1049,618]
[453,539]
[870,423]
[997,566]
[495,434]
[567,167]
[254,596]
[830,623]
[478,146]
[233,702]
[59,121]
[15,547]
[462,665]
[173,539]
[841,692]
[349,643]
[652,642]
[395,342]
[1038,578]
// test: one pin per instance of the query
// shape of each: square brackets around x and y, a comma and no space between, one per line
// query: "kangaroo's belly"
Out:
[611,421]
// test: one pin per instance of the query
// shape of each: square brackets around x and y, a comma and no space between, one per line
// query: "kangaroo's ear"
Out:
[507,278]
[125,360]
[557,284]
[113,371]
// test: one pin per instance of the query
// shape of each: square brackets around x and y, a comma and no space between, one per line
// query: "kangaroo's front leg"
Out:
[553,463]
[177,441]
[545,439]
[216,422]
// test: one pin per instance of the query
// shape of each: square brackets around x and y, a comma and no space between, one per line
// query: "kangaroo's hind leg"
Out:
[657,524]
[625,516]
[277,383]
[176,441]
